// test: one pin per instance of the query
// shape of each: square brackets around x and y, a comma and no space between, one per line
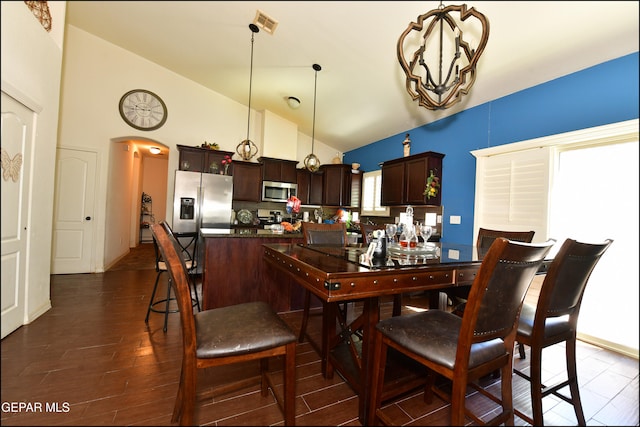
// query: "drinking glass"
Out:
[426,231]
[391,230]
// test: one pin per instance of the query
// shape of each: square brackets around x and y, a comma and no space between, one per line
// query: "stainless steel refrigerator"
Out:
[201,200]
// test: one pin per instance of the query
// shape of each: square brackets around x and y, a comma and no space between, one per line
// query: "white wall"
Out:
[31,67]
[95,76]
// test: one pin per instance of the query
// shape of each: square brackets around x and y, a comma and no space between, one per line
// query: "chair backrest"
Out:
[564,284]
[178,276]
[486,237]
[367,229]
[497,293]
[325,234]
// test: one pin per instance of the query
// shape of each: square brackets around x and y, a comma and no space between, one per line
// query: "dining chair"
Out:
[484,240]
[367,230]
[226,335]
[327,235]
[554,318]
[161,267]
[464,349]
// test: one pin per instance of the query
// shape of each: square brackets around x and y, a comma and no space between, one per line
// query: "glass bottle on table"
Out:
[409,238]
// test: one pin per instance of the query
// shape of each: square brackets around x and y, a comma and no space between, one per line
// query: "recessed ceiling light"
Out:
[155,150]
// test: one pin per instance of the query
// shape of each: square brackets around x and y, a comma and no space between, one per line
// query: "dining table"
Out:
[353,273]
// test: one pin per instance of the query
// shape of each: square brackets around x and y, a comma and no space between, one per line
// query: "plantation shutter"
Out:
[512,191]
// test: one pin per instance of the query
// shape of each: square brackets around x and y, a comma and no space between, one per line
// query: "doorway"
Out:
[134,169]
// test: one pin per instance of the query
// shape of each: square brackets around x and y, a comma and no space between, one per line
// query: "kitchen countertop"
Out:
[246,232]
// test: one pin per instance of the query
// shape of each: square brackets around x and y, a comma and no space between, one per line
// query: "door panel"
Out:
[17,140]
[73,211]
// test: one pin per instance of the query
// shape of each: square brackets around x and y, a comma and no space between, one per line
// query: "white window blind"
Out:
[371,194]
[512,191]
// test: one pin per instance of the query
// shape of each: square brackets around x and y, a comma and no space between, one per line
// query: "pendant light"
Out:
[247,149]
[311,162]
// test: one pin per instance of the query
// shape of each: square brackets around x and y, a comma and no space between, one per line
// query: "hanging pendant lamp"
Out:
[311,162]
[247,149]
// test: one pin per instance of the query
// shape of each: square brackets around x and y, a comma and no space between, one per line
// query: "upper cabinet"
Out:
[404,180]
[341,186]
[201,159]
[309,187]
[278,170]
[247,181]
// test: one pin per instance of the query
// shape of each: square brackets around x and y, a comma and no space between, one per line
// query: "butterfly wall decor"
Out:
[11,167]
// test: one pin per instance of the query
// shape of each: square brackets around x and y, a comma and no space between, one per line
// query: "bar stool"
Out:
[163,305]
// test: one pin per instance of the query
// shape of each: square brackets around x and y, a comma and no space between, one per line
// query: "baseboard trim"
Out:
[618,348]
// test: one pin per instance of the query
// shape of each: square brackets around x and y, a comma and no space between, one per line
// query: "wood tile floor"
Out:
[92,360]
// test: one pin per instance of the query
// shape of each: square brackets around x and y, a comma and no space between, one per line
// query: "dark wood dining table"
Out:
[336,274]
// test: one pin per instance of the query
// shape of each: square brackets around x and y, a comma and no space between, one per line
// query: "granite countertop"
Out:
[246,232]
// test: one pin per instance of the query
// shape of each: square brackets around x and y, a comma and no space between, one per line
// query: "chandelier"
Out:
[311,162]
[438,34]
[247,149]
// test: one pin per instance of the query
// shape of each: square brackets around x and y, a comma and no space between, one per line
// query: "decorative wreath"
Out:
[433,184]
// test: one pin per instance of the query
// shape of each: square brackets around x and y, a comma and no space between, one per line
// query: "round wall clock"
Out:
[143,109]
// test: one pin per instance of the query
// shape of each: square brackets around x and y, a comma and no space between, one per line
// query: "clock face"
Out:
[143,110]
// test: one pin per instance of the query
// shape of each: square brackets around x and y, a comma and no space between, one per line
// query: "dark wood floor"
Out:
[91,360]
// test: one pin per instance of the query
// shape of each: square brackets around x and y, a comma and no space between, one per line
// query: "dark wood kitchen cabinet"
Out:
[404,180]
[309,187]
[247,181]
[341,187]
[198,159]
[278,170]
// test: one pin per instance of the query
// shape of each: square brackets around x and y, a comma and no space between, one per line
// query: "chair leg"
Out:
[506,384]
[177,407]
[379,359]
[153,295]
[523,355]
[305,315]
[289,387]
[397,305]
[186,396]
[572,375]
[166,311]
[535,368]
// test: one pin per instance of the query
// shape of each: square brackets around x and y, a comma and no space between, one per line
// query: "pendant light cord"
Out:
[254,29]
[317,68]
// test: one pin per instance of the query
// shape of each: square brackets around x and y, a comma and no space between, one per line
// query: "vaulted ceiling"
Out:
[361,93]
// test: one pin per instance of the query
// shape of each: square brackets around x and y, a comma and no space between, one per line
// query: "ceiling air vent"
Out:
[265,22]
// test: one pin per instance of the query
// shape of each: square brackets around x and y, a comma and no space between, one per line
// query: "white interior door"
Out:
[17,141]
[73,211]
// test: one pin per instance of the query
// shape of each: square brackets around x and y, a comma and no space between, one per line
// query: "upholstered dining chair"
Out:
[226,335]
[554,319]
[485,238]
[465,349]
[163,305]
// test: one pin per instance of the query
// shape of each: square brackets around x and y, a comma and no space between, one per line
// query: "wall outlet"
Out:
[454,219]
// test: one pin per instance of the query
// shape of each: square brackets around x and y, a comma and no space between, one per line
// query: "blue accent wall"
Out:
[603,94]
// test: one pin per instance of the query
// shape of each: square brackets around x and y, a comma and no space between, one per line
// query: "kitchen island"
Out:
[234,272]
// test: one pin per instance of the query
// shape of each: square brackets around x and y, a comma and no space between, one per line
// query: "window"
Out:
[587,189]
[371,193]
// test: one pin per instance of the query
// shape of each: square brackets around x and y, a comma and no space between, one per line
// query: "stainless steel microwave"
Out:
[278,191]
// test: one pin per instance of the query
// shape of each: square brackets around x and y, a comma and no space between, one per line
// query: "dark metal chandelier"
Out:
[434,86]
[311,162]
[247,149]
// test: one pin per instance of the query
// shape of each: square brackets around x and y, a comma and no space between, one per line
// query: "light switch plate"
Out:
[454,219]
